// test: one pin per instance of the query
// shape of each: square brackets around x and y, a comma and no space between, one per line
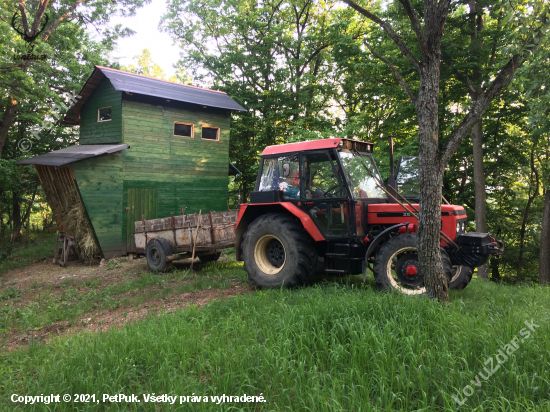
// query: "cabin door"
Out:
[141,202]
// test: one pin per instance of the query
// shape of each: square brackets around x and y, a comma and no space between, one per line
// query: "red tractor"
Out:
[322,205]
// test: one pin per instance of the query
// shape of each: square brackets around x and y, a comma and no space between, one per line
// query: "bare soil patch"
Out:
[47,279]
[105,320]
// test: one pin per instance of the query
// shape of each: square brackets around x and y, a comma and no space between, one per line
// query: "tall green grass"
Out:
[19,254]
[324,348]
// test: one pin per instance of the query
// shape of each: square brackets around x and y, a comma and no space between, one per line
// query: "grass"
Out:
[18,255]
[330,347]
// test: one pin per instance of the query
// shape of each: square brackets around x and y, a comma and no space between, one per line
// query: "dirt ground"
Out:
[46,276]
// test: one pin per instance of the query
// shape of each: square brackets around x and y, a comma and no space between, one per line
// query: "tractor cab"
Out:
[329,180]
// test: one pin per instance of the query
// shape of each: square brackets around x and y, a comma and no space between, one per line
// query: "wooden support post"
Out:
[211,228]
[56,249]
[144,231]
[196,236]
[173,223]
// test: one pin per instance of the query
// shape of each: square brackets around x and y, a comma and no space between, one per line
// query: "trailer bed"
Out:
[216,232]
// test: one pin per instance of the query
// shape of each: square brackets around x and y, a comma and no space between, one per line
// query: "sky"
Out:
[148,36]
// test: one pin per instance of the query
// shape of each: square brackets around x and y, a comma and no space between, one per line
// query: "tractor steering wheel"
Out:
[327,193]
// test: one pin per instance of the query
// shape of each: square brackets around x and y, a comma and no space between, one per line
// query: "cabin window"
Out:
[183,129]
[104,114]
[211,133]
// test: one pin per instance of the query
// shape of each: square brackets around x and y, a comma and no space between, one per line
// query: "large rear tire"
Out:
[278,252]
[396,266]
[461,276]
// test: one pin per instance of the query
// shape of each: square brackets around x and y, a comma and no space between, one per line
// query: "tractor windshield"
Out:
[407,177]
[362,175]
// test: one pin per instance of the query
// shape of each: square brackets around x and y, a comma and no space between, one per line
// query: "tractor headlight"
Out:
[457,227]
[463,227]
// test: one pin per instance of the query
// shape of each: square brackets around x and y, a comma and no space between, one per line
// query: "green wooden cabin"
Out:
[147,147]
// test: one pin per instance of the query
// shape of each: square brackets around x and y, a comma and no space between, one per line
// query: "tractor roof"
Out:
[364,147]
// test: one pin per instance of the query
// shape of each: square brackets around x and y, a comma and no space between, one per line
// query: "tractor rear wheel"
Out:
[396,266]
[461,276]
[278,252]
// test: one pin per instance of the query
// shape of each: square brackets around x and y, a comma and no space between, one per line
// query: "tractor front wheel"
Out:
[278,252]
[461,276]
[396,266]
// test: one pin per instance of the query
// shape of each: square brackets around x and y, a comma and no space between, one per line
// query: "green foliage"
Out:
[19,255]
[147,67]
[9,294]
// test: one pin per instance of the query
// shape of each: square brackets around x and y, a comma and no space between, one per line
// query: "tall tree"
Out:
[35,28]
[428,24]
[537,85]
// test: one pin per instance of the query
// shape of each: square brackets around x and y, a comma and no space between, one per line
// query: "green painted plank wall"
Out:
[188,172]
[94,132]
[100,182]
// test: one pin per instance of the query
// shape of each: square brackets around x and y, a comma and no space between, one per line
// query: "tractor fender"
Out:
[382,236]
[250,212]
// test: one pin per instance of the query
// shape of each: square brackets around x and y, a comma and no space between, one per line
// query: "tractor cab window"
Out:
[362,175]
[321,180]
[281,173]
[407,177]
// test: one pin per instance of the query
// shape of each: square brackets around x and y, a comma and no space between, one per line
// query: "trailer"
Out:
[165,240]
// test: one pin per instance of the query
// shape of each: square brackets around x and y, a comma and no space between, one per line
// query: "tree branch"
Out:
[24,18]
[395,72]
[389,30]
[416,25]
[39,15]
[501,82]
[471,88]
[71,9]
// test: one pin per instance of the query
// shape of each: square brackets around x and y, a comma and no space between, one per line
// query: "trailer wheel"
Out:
[461,276]
[278,252]
[396,266]
[156,252]
[210,258]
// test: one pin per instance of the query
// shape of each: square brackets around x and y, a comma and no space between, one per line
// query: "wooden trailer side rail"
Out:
[216,231]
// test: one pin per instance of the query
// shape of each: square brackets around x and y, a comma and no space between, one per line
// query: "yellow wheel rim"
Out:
[392,276]
[456,272]
[264,250]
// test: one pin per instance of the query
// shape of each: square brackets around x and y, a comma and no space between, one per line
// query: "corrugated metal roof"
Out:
[73,154]
[149,86]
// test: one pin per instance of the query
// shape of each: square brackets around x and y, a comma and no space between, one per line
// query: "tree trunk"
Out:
[544,259]
[430,182]
[495,272]
[477,26]
[480,195]
[16,217]
[522,236]
[533,178]
[7,121]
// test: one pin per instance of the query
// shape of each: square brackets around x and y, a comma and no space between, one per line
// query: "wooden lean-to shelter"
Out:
[147,148]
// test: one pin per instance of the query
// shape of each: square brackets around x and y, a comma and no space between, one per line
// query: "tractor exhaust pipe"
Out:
[392,183]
